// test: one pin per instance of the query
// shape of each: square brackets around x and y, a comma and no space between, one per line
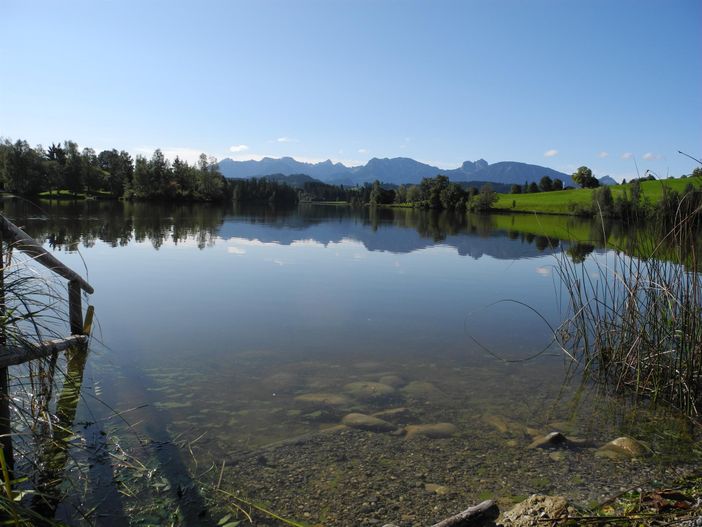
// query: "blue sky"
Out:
[557,83]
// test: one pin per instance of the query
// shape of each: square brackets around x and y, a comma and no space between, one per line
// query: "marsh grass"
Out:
[635,322]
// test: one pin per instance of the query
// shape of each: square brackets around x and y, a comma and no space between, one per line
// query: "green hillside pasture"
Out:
[570,201]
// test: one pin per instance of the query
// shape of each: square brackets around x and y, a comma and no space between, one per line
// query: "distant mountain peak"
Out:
[396,170]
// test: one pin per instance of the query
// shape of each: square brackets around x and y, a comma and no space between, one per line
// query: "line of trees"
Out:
[546,184]
[64,167]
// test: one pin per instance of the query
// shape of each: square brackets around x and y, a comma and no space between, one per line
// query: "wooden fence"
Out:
[11,355]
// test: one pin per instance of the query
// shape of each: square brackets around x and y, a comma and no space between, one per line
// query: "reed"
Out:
[634,323]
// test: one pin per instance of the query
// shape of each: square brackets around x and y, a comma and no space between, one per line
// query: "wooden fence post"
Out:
[75,309]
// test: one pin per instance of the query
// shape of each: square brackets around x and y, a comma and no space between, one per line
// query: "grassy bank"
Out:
[571,201]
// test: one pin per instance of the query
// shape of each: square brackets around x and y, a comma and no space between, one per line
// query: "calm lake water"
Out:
[226,332]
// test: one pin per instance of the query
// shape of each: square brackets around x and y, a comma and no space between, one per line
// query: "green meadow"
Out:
[574,200]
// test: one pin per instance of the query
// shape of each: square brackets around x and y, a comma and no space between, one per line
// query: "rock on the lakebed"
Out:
[367,422]
[498,422]
[508,426]
[432,431]
[392,380]
[553,439]
[534,510]
[322,399]
[420,390]
[369,390]
[623,448]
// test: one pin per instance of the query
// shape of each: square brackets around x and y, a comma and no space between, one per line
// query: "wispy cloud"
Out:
[627,155]
[603,154]
[650,156]
[238,148]
[551,153]
[362,150]
[286,139]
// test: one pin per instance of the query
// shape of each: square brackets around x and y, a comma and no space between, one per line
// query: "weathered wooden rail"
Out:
[11,355]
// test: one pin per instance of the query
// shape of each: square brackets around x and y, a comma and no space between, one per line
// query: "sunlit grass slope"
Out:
[570,201]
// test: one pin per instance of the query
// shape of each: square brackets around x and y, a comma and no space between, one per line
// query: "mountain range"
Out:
[397,170]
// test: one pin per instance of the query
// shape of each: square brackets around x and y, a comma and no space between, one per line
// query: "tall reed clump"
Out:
[635,322]
[33,308]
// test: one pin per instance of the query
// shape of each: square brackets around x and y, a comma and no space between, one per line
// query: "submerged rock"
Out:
[531,431]
[432,431]
[392,380]
[369,390]
[323,415]
[367,422]
[322,399]
[420,389]
[508,426]
[623,448]
[553,439]
[498,422]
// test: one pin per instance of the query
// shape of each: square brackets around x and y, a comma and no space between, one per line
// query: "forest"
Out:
[64,171]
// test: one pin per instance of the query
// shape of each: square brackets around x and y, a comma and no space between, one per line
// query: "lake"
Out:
[235,341]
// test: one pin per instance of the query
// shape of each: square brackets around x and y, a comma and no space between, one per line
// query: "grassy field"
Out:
[569,201]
